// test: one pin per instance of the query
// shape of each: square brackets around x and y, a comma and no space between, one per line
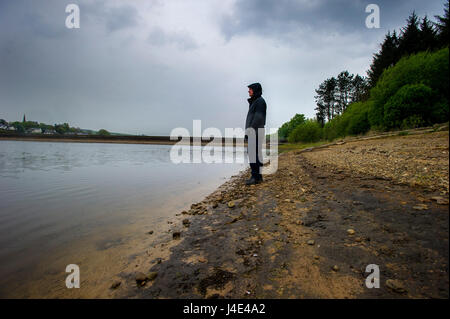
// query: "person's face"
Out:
[250,92]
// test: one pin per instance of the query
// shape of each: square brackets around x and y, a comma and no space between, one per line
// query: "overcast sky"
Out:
[146,67]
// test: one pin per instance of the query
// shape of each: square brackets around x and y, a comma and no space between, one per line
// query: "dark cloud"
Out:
[145,67]
[281,17]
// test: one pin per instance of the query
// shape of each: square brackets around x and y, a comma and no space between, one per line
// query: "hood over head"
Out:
[257,90]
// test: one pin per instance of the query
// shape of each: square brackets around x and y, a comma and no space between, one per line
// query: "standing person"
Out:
[254,130]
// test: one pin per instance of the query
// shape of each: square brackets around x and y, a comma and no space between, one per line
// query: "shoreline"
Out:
[155,140]
[289,237]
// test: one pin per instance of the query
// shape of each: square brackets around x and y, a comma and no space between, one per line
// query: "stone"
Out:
[311,242]
[152,275]
[176,235]
[395,286]
[440,200]
[186,222]
[350,231]
[150,232]
[231,204]
[115,284]
[335,268]
[140,278]
[420,207]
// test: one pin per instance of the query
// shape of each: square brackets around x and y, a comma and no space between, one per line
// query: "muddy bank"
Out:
[118,139]
[310,230]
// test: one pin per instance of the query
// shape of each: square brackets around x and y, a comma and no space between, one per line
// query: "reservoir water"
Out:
[89,204]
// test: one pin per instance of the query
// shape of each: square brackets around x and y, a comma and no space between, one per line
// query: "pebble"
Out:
[350,231]
[115,285]
[186,222]
[150,232]
[231,204]
[420,207]
[395,286]
[152,275]
[140,278]
[440,200]
[335,268]
[311,242]
[176,235]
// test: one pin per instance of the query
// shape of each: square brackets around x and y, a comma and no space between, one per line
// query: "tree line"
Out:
[61,129]
[336,93]
[406,86]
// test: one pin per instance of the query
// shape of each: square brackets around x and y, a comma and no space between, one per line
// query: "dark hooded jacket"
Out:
[256,116]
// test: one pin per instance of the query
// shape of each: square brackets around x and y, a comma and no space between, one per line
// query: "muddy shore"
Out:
[158,140]
[310,229]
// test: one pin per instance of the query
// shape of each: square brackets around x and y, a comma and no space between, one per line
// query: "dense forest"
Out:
[407,86]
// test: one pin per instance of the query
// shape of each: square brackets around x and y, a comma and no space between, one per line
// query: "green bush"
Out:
[410,107]
[428,69]
[308,132]
[288,127]
[358,118]
[335,128]
[103,132]
[439,112]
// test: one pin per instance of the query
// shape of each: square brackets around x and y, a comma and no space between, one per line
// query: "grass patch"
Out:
[298,146]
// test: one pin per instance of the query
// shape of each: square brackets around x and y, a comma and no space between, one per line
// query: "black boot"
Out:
[252,181]
[260,178]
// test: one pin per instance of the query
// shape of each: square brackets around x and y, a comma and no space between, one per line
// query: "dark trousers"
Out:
[254,150]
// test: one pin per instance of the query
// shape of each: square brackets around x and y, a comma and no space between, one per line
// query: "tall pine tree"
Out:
[410,36]
[388,56]
[344,87]
[442,27]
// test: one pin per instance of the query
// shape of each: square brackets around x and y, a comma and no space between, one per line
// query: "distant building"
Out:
[49,132]
[11,128]
[35,131]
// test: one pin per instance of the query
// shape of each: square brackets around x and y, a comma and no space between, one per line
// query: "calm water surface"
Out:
[63,203]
